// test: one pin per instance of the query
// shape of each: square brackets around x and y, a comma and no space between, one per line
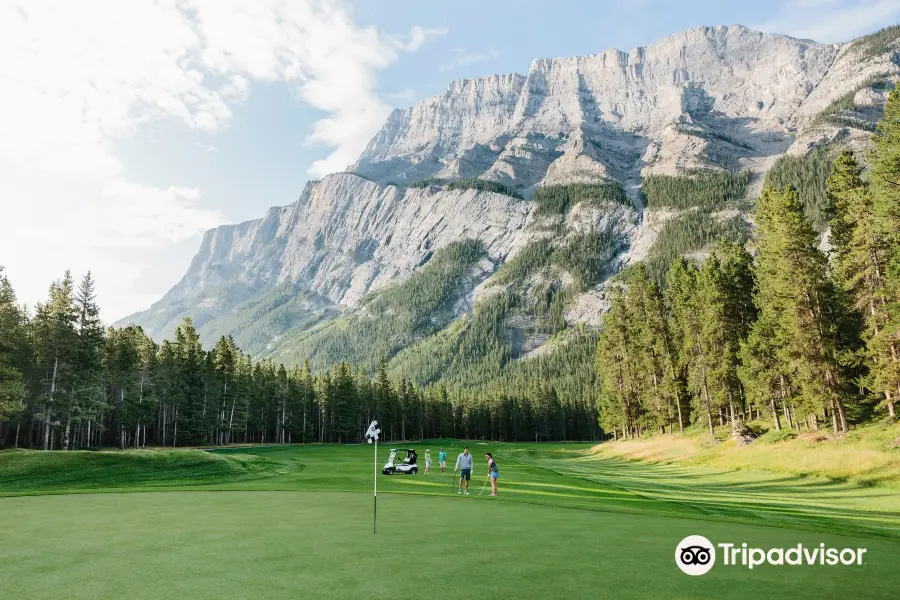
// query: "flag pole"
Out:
[375,489]
[372,435]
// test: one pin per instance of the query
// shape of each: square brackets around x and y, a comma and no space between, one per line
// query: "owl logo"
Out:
[695,555]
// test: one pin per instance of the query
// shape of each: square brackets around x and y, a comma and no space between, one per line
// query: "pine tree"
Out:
[884,161]
[764,376]
[687,298]
[13,353]
[191,400]
[55,343]
[307,387]
[795,297]
[146,393]
[735,313]
[652,344]
[618,370]
[705,339]
[859,256]
[226,358]
[89,396]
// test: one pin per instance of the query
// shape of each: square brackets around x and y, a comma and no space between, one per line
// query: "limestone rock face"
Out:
[346,237]
[615,114]
[710,97]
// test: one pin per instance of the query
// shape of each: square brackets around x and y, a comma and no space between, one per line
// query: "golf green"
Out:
[298,524]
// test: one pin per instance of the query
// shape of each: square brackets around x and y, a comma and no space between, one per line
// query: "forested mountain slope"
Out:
[479,226]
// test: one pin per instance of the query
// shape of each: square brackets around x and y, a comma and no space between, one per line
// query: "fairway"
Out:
[292,522]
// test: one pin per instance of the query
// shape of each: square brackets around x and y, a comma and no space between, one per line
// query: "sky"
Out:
[127,129]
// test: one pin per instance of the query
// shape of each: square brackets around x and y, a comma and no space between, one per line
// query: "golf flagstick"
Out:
[372,434]
[375,489]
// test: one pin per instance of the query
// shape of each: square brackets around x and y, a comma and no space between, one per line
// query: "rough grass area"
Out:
[867,456]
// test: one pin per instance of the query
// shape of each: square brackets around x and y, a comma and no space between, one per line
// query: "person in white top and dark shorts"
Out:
[464,464]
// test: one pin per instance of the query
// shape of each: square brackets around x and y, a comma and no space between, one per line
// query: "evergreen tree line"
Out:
[705,189]
[691,232]
[796,334]
[471,183]
[557,199]
[808,175]
[67,382]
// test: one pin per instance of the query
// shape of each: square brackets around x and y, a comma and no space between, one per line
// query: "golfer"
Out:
[494,472]
[442,458]
[427,460]
[464,464]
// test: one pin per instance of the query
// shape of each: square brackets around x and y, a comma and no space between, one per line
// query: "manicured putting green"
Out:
[297,522]
[320,545]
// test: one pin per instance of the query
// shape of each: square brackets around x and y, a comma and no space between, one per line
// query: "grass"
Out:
[289,522]
[868,456]
[27,471]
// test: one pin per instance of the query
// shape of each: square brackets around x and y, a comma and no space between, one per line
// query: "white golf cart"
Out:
[405,465]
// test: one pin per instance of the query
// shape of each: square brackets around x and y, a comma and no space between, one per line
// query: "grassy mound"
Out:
[34,471]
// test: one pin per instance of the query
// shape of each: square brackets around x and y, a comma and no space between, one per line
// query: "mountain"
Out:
[478,226]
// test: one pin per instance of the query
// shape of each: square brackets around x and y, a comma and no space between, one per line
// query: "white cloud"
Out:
[317,46]
[418,36]
[403,98]
[77,77]
[832,20]
[462,58]
[116,229]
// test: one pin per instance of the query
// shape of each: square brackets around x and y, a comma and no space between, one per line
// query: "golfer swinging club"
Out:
[493,472]
[464,464]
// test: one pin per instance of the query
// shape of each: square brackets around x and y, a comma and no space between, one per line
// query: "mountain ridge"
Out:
[707,99]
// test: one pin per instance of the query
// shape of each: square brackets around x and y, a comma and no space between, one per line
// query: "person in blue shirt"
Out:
[442,459]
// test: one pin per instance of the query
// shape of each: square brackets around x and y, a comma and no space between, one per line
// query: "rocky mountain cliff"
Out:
[490,158]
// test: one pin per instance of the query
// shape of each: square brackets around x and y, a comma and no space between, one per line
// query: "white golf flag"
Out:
[372,433]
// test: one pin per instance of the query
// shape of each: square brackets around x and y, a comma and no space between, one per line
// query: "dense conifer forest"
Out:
[556,199]
[806,339]
[707,190]
[473,183]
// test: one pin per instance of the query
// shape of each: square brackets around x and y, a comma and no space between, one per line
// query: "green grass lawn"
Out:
[295,522]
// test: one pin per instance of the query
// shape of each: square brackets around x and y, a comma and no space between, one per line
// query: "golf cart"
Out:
[397,465]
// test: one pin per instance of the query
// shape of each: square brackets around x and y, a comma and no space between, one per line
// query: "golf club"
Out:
[485,482]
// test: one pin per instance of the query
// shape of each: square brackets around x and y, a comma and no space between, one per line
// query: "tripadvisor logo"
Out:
[696,555]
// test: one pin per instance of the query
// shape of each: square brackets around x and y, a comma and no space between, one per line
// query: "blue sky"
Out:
[138,125]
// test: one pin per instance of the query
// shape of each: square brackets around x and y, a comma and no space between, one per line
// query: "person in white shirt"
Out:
[464,464]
